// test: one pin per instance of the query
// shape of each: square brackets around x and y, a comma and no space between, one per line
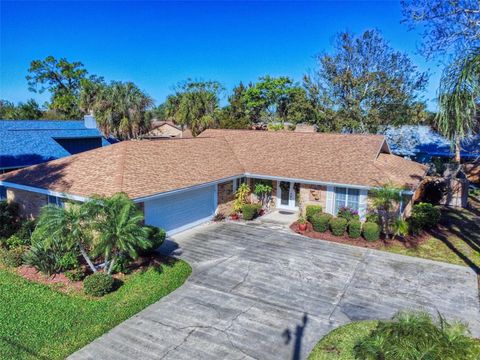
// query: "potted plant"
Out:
[234,215]
[302,223]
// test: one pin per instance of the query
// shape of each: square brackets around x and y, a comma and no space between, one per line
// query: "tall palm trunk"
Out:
[457,150]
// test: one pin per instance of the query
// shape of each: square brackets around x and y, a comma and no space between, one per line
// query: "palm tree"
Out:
[386,199]
[458,99]
[69,224]
[119,228]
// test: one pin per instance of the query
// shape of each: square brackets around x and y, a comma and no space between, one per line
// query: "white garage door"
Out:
[180,211]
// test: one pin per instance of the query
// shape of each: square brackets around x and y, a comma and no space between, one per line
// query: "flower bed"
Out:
[407,242]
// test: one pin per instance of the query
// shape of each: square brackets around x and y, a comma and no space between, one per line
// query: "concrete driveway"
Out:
[258,293]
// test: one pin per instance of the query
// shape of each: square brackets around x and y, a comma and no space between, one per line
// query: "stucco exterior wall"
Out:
[312,195]
[29,203]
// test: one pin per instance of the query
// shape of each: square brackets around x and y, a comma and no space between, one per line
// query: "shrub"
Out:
[75,275]
[373,217]
[311,210]
[424,216]
[417,336]
[320,222]
[9,219]
[348,214]
[156,238]
[12,257]
[338,226]
[14,241]
[371,231]
[122,264]
[98,284]
[249,211]
[26,230]
[241,197]
[51,259]
[354,229]
[400,227]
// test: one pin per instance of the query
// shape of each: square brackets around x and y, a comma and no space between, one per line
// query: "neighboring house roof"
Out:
[142,168]
[157,124]
[28,142]
[412,140]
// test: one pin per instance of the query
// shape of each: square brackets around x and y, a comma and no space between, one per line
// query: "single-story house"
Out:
[183,182]
[166,129]
[29,142]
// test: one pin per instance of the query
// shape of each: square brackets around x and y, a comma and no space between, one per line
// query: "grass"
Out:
[339,343]
[456,242]
[37,322]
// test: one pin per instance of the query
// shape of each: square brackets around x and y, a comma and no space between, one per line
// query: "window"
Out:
[238,182]
[54,200]
[3,193]
[347,197]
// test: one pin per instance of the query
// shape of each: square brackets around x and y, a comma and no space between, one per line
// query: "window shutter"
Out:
[329,199]
[362,206]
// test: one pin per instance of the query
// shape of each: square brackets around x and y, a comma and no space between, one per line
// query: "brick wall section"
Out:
[313,195]
[226,197]
[29,203]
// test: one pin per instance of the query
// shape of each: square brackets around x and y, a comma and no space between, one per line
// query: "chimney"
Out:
[89,122]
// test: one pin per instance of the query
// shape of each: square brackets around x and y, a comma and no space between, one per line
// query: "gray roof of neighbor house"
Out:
[146,167]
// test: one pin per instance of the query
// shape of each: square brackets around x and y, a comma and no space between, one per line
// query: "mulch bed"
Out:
[407,242]
[62,283]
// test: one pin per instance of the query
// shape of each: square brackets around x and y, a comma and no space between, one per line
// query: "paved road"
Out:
[258,293]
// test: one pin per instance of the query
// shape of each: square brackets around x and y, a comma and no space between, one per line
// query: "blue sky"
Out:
[157,44]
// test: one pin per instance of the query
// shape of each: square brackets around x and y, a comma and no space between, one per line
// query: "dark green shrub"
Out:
[68,261]
[9,219]
[424,216]
[122,264]
[320,222]
[98,284]
[12,257]
[338,226]
[348,214]
[311,210]
[371,231]
[249,211]
[417,336]
[373,217]
[25,231]
[74,275]
[156,237]
[354,229]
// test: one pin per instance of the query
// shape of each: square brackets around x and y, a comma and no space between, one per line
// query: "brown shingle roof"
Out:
[138,168]
[326,157]
[142,168]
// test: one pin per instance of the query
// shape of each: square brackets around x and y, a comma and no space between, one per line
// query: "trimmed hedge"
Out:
[320,222]
[98,284]
[354,229]
[338,226]
[249,211]
[311,210]
[371,231]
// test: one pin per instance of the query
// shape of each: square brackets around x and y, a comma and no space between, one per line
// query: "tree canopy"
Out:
[365,83]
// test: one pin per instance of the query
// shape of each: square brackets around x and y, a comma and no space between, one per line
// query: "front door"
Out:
[287,195]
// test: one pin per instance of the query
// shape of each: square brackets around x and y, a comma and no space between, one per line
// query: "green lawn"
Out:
[37,322]
[339,344]
[457,241]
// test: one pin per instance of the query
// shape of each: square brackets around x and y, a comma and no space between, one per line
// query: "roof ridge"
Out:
[293,132]
[232,150]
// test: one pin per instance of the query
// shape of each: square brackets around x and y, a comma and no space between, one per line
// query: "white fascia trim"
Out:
[194,187]
[303,181]
[44,191]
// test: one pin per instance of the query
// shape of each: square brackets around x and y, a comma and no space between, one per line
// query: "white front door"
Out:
[287,195]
